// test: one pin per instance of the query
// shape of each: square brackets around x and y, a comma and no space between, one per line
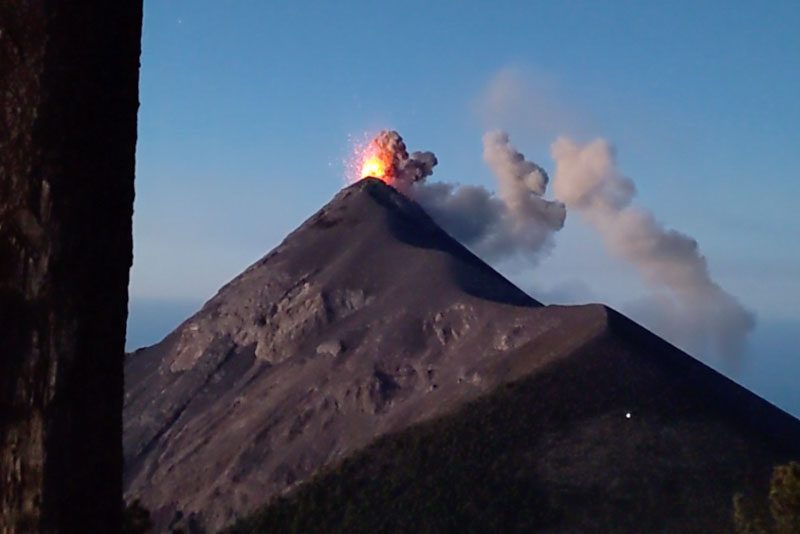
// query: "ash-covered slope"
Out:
[627,434]
[367,319]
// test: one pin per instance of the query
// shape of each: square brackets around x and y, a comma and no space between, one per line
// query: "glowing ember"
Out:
[386,158]
[376,167]
[376,159]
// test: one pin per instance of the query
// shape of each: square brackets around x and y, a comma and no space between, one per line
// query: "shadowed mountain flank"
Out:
[626,434]
[369,319]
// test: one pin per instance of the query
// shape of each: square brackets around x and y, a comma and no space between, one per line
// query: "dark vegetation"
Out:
[776,513]
[470,472]
[135,518]
[556,451]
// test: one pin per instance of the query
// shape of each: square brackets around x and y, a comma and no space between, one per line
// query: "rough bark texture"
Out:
[68,102]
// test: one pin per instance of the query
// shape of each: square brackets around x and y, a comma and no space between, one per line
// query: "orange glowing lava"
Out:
[376,162]
[374,166]
[376,157]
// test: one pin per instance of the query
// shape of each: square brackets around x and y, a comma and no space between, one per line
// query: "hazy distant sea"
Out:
[149,320]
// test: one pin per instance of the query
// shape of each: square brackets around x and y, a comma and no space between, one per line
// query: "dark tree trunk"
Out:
[68,101]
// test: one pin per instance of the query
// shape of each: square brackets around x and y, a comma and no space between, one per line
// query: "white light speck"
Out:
[628,415]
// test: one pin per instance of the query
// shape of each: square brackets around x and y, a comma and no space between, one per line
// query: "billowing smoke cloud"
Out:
[531,101]
[409,168]
[515,222]
[401,168]
[689,302]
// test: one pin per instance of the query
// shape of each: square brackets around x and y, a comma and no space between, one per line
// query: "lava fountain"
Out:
[386,158]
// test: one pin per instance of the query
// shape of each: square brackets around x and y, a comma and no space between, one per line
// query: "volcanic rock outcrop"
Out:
[627,435]
[366,320]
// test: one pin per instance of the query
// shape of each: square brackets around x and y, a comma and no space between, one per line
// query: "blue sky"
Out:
[248,109]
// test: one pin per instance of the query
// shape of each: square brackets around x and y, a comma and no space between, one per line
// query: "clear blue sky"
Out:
[248,106]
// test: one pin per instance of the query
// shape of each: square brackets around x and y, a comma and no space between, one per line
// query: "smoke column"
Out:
[516,223]
[404,169]
[588,182]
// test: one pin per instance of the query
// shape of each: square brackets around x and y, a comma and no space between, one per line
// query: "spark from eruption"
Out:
[371,159]
[375,167]
[385,157]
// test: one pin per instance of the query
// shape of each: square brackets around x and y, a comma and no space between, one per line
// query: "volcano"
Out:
[369,319]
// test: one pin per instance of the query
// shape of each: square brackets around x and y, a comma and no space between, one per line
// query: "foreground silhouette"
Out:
[69,97]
